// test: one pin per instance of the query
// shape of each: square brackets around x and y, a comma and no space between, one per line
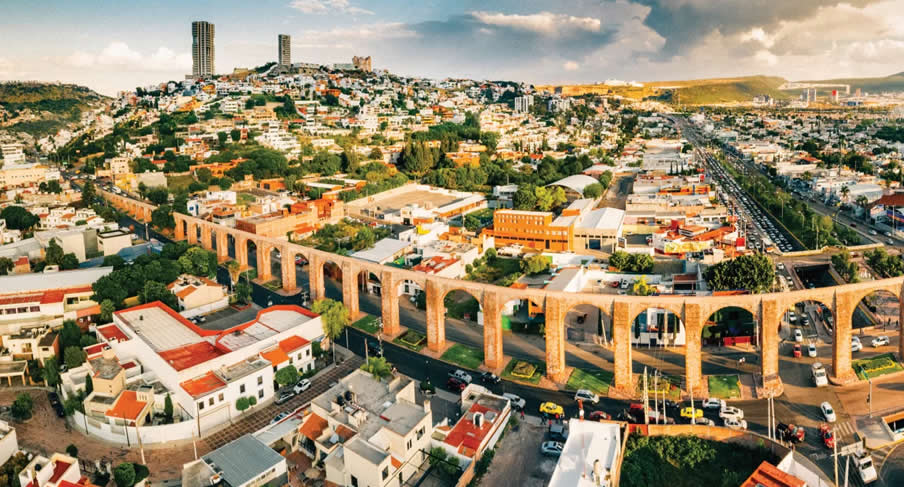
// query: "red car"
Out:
[827,435]
[599,415]
[614,284]
[455,384]
[796,351]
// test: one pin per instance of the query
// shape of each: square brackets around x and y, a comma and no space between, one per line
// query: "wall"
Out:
[149,434]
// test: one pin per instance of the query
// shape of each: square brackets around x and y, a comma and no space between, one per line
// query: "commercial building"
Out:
[530,229]
[243,462]
[110,243]
[590,455]
[484,416]
[368,431]
[202,49]
[33,300]
[12,153]
[17,175]
[285,50]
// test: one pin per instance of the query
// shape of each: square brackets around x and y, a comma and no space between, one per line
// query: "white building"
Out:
[243,462]
[12,153]
[590,454]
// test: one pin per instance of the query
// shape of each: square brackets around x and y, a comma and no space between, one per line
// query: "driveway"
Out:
[518,460]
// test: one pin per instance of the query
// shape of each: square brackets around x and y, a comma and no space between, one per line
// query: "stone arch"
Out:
[732,321]
[876,309]
[466,309]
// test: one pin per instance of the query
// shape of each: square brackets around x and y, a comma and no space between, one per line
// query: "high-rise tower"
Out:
[202,48]
[285,50]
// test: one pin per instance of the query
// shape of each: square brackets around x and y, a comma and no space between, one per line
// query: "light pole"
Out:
[869,396]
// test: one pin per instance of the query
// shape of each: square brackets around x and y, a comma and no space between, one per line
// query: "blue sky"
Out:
[114,45]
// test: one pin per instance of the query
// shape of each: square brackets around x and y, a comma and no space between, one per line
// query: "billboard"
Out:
[894,214]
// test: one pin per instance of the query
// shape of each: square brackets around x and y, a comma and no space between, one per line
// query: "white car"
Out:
[301,386]
[731,412]
[713,403]
[551,448]
[828,412]
[792,316]
[461,374]
[704,421]
[856,346]
[517,402]
[866,468]
[735,423]
[811,350]
[880,340]
[820,377]
[586,395]
[798,336]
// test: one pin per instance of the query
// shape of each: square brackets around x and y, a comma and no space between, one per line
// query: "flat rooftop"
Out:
[587,442]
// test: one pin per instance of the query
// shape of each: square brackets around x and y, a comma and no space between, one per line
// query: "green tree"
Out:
[235,135]
[18,218]
[69,262]
[89,193]
[641,288]
[619,260]
[157,291]
[286,375]
[162,217]
[124,475]
[334,316]
[447,465]
[70,334]
[22,407]
[593,190]
[114,261]
[845,267]
[753,273]
[168,409]
[525,198]
[204,174]
[89,385]
[53,254]
[221,137]
[158,195]
[6,265]
[535,264]
[73,357]
[377,367]
[243,292]
[51,371]
[199,262]
[72,451]
[641,263]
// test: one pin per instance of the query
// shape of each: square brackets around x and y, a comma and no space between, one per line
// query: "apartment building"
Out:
[12,153]
[368,432]
[243,462]
[32,300]
[203,52]
[530,229]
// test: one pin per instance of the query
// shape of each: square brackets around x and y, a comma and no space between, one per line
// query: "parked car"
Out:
[462,375]
[301,386]
[624,284]
[374,349]
[551,448]
[489,378]
[703,421]
[866,468]
[689,412]
[558,432]
[455,384]
[811,350]
[827,435]
[735,423]
[551,409]
[880,340]
[795,351]
[599,416]
[731,412]
[586,395]
[713,403]
[827,411]
[516,401]
[285,396]
[856,346]
[790,433]
[798,335]
[279,417]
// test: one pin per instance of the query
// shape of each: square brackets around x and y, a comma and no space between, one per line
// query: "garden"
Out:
[412,340]
[369,324]
[667,385]
[724,386]
[464,356]
[597,381]
[524,371]
[869,368]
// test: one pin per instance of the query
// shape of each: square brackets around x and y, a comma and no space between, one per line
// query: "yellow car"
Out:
[689,413]
[551,409]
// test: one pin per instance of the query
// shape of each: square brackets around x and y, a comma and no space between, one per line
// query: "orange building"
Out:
[533,229]
[278,224]
[217,169]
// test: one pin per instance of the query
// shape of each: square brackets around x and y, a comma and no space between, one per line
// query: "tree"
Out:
[377,367]
[51,372]
[235,135]
[619,260]
[18,218]
[844,267]
[221,137]
[157,291]
[535,264]
[594,190]
[334,316]
[199,262]
[157,195]
[286,375]
[70,335]
[124,475]
[168,409]
[22,407]
[6,265]
[641,263]
[69,262]
[53,254]
[204,174]
[525,198]
[73,357]
[89,385]
[162,217]
[445,464]
[89,193]
[753,273]
[72,450]
[243,292]
[641,288]
[114,261]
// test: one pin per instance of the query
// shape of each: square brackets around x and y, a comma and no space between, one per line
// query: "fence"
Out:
[128,435]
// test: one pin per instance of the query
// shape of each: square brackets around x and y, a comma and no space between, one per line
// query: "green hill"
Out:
[43,108]
[722,90]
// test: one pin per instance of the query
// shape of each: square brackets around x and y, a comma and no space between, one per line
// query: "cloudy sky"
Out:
[112,45]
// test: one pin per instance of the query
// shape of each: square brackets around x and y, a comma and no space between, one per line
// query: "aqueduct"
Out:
[693,311]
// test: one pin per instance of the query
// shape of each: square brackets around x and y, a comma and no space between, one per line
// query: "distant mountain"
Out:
[893,82]
[40,109]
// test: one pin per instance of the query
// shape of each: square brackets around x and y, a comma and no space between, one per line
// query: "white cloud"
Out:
[544,23]
[328,6]
[571,66]
[119,54]
[759,35]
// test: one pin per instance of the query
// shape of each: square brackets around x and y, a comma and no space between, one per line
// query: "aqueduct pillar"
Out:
[492,331]
[436,317]
[389,300]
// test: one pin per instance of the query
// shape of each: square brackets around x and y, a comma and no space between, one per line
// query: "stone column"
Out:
[389,300]
[693,362]
[900,323]
[841,342]
[206,237]
[555,340]
[436,317]
[222,246]
[621,339]
[264,272]
[350,275]
[241,251]
[492,331]
[180,229]
[287,266]
[315,278]
[771,314]
[192,233]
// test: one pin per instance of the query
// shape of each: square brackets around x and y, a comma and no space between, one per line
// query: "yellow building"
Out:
[22,175]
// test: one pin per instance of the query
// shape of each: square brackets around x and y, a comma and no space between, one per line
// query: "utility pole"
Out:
[646,398]
[656,394]
[869,397]
[835,456]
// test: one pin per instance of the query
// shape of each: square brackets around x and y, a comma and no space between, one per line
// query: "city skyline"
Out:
[532,41]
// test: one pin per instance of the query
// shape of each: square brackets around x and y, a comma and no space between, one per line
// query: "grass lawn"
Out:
[465,356]
[876,366]
[671,386]
[368,324]
[724,386]
[597,380]
[500,269]
[273,285]
[412,340]
[176,183]
[539,370]
[244,199]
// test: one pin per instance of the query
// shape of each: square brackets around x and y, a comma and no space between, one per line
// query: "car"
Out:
[780,266]
[819,376]
[461,375]
[599,416]
[880,340]
[853,225]
[703,421]
[790,433]
[489,378]
[731,412]
[455,384]
[873,232]
[516,401]
[856,346]
[671,404]
[551,448]
[827,435]
[374,349]
[798,335]
[551,409]
[713,403]
[285,396]
[558,432]
[279,417]
[624,284]
[890,242]
[586,395]
[735,423]
[614,284]
[301,386]
[866,468]
[53,397]
[811,350]
[827,411]
[795,351]
[689,412]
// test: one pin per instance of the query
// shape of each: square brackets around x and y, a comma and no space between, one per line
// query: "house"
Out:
[243,462]
[59,470]
[110,243]
[39,343]
[198,295]
[482,422]
[9,444]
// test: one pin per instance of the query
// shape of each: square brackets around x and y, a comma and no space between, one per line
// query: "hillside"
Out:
[40,109]
[894,82]
[692,92]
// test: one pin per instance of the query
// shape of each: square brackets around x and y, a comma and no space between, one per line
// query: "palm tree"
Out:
[863,202]
[845,192]
[234,267]
[377,367]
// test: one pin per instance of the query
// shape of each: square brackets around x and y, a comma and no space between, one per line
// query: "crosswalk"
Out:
[844,432]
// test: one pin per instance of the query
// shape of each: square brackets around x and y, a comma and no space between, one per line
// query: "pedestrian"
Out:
[522,415]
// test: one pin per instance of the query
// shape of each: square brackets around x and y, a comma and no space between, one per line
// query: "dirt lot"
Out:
[518,460]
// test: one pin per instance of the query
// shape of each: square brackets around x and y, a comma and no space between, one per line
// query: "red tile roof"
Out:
[767,475]
[127,406]
[467,436]
[292,343]
[111,333]
[190,355]
[275,356]
[59,468]
[203,385]
[313,426]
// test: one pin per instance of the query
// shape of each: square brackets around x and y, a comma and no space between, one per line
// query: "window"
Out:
[242,389]
[260,394]
[307,352]
[420,433]
[409,445]
[385,472]
[200,405]
[299,355]
[210,401]
[220,397]
[260,380]
[354,481]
